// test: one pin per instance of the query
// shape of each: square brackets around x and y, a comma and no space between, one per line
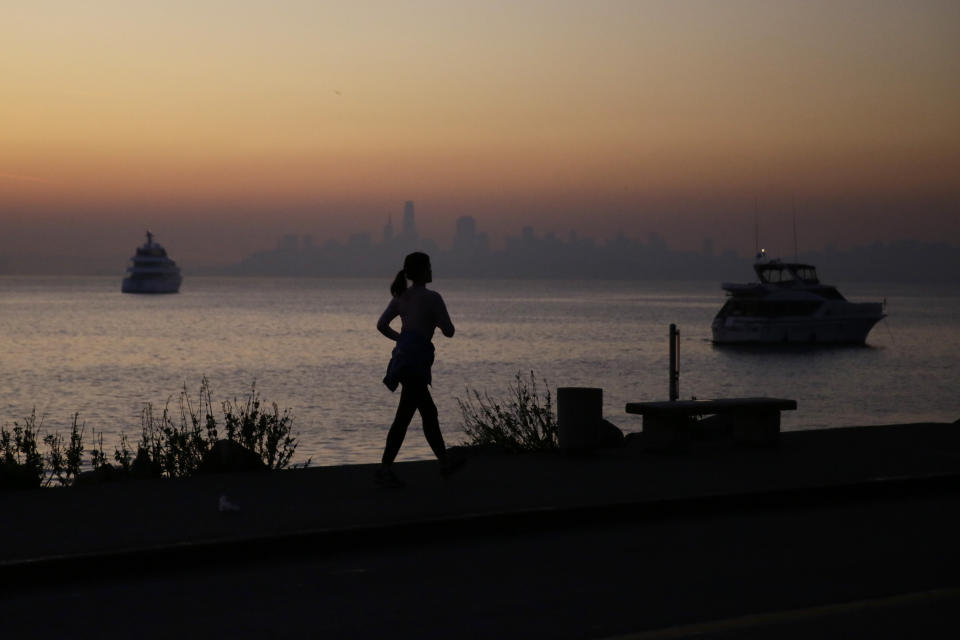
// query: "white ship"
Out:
[790,305]
[151,271]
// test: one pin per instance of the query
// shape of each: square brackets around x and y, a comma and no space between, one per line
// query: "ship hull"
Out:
[822,330]
[151,285]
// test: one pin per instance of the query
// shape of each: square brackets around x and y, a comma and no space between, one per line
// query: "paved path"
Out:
[113,518]
[873,569]
[623,541]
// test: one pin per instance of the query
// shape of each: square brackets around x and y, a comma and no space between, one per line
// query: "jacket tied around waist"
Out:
[410,361]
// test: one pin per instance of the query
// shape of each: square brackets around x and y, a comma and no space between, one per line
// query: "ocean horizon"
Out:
[77,345]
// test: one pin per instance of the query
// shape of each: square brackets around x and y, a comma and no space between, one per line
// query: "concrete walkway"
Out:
[163,521]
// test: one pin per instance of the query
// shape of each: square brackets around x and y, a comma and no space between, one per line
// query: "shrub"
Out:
[178,441]
[63,464]
[268,433]
[172,445]
[21,465]
[523,422]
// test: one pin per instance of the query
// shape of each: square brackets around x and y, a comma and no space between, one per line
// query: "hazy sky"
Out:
[222,124]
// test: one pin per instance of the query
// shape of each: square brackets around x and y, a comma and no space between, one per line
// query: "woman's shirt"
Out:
[420,310]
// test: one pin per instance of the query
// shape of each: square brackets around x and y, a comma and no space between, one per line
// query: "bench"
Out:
[751,421]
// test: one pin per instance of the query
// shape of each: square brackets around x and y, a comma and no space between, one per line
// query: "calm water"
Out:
[79,345]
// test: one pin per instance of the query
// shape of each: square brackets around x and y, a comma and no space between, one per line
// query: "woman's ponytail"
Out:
[399,284]
[416,266]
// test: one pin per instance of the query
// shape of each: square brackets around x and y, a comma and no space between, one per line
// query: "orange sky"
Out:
[260,118]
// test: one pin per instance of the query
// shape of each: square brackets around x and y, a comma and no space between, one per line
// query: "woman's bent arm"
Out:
[383,324]
[443,319]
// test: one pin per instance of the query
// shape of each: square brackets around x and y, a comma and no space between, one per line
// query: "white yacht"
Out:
[151,271]
[790,305]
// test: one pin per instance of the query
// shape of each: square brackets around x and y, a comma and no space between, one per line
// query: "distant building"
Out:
[360,240]
[388,231]
[288,243]
[466,240]
[655,241]
[409,233]
[466,227]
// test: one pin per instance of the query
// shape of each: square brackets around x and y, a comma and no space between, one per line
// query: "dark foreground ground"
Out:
[844,533]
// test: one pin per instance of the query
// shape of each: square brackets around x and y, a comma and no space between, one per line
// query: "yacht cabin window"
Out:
[776,274]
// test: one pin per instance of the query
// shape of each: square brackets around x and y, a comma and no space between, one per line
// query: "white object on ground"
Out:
[226,505]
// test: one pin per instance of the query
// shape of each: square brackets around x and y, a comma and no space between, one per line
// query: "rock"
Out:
[101,475]
[633,440]
[143,467]
[228,456]
[18,476]
[609,435]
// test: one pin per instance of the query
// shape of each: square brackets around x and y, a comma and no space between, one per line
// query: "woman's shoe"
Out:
[385,477]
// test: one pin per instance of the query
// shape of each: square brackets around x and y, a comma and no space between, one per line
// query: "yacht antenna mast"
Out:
[756,230]
[796,253]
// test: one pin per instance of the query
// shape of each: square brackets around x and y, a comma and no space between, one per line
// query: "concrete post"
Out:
[579,412]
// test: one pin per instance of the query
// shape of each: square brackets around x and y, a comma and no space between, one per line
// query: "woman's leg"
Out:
[409,399]
[431,429]
[431,423]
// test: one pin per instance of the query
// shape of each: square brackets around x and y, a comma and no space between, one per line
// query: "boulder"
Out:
[609,435]
[18,476]
[228,456]
[102,474]
[633,440]
[143,467]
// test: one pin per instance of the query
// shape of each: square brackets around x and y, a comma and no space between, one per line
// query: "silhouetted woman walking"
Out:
[421,311]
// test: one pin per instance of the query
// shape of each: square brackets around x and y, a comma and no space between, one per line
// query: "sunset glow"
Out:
[323,118]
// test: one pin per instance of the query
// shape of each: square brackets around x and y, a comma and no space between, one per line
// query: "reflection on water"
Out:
[311,345]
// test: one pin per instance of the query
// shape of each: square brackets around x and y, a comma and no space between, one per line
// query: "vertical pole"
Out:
[674,362]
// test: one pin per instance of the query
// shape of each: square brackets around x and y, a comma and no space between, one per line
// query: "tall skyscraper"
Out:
[388,230]
[466,227]
[465,239]
[409,225]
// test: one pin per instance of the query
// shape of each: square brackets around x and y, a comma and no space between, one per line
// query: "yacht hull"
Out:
[823,330]
[151,285]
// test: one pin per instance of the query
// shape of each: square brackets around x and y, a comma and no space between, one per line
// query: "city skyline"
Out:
[468,250]
[530,254]
[219,126]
